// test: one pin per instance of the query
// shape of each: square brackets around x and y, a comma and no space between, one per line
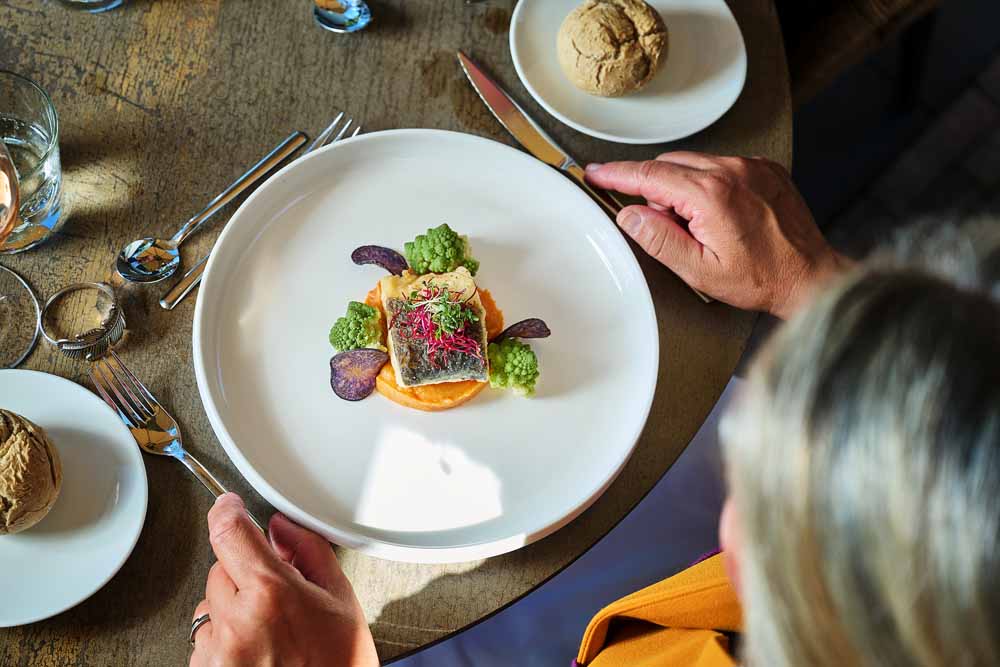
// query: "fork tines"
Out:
[123,391]
[324,137]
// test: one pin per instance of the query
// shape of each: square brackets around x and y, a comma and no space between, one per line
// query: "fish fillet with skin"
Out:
[410,357]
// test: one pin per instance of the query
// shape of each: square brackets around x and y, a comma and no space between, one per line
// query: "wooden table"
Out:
[162,104]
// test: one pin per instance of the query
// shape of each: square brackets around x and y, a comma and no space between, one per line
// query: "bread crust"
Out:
[612,48]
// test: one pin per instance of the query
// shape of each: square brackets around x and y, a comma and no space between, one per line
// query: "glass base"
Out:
[28,236]
[19,319]
[93,6]
[343,16]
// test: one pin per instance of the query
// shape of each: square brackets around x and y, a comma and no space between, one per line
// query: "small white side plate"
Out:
[701,78]
[96,521]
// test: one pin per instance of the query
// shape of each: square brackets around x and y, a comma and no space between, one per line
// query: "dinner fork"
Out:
[154,430]
[192,278]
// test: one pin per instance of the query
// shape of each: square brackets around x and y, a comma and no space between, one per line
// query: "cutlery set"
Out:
[154,430]
[151,260]
[192,278]
[534,139]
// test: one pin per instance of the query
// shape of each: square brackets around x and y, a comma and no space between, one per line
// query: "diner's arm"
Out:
[287,603]
[734,228]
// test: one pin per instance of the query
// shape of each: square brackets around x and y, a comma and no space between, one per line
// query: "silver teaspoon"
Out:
[150,260]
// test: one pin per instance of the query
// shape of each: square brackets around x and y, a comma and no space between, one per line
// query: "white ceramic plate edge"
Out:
[662,139]
[366,545]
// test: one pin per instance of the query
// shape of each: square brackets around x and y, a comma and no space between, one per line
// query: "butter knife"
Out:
[530,135]
[534,139]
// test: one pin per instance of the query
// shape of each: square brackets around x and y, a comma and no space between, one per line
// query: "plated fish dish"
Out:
[427,336]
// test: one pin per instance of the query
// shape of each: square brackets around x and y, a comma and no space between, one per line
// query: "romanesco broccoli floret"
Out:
[513,365]
[360,327]
[440,250]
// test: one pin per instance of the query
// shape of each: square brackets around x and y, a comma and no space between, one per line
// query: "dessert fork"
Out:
[154,430]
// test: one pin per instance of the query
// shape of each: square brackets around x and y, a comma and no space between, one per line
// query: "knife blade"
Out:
[529,134]
[534,139]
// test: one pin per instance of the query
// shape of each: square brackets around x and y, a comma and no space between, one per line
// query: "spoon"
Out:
[150,260]
[342,16]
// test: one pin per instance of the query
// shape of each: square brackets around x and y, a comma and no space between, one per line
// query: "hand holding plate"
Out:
[290,604]
[734,228]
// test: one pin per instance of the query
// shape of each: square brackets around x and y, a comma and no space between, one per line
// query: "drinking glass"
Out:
[19,309]
[93,6]
[19,313]
[8,194]
[29,133]
[342,16]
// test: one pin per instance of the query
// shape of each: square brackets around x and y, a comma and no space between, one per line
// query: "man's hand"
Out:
[734,228]
[286,605]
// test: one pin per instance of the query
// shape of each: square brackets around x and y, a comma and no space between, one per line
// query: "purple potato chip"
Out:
[530,328]
[387,258]
[352,373]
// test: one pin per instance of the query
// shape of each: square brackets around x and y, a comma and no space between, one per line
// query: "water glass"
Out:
[29,131]
[93,6]
[342,16]
[19,313]
[8,194]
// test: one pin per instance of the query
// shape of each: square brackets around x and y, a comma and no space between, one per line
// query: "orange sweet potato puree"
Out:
[444,395]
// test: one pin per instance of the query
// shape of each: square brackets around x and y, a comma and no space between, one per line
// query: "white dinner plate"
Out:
[479,480]
[700,79]
[95,523]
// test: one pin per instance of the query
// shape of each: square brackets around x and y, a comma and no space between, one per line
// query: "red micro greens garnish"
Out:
[438,316]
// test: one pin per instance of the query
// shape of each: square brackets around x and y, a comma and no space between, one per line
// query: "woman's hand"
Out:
[286,605]
[734,228]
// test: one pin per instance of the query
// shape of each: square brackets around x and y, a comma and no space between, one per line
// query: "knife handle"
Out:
[607,200]
[611,204]
[184,286]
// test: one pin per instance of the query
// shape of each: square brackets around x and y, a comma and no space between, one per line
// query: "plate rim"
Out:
[139,464]
[368,544]
[515,22]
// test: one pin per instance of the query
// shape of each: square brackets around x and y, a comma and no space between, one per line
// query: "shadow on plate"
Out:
[694,54]
[92,482]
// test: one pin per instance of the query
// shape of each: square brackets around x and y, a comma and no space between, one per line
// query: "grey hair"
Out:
[864,462]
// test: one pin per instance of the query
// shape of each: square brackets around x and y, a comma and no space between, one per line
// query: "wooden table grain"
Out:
[163,103]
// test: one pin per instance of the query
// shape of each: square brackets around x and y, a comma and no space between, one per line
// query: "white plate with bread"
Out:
[629,71]
[72,495]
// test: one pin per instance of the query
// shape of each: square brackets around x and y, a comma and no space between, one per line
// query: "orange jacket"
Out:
[677,622]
